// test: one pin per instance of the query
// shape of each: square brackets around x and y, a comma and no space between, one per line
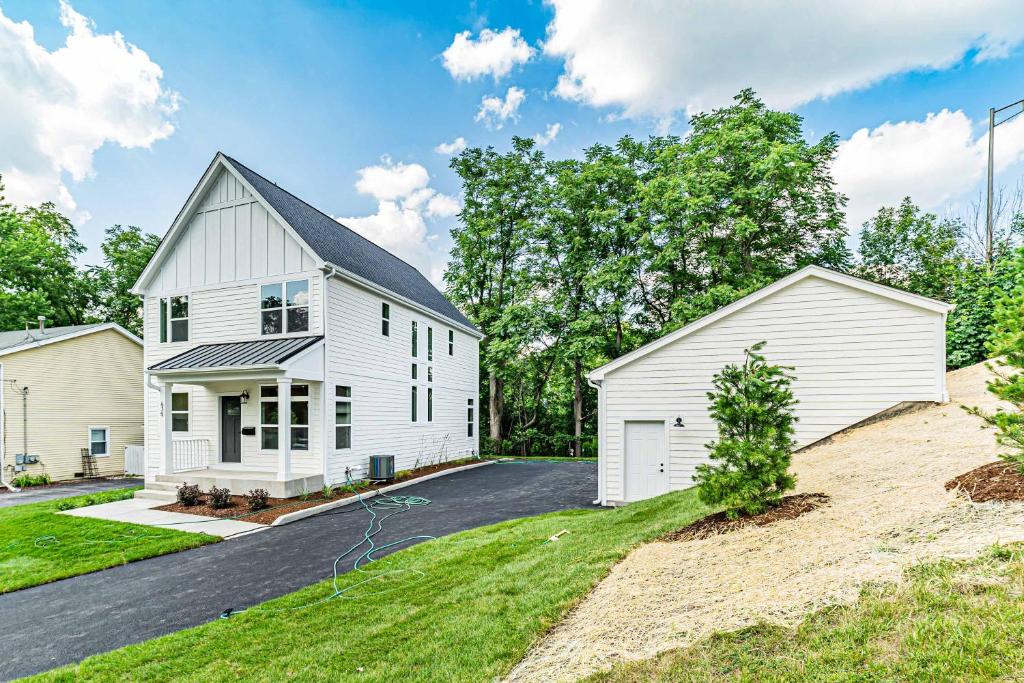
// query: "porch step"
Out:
[240,482]
[158,494]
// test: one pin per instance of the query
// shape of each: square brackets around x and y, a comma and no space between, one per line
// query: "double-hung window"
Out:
[284,307]
[179,412]
[270,415]
[174,318]
[385,319]
[99,441]
[342,417]
[469,417]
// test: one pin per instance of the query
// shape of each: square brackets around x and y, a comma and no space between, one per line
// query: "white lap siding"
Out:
[378,369]
[854,355]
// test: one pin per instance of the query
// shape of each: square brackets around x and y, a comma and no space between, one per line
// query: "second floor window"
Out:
[174,319]
[451,342]
[430,343]
[415,339]
[385,319]
[284,307]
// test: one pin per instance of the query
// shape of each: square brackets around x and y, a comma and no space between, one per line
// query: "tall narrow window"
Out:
[385,319]
[342,417]
[430,343]
[415,371]
[300,417]
[174,317]
[268,418]
[430,404]
[179,412]
[451,342]
[469,418]
[284,307]
[415,405]
[415,339]
[99,441]
[430,373]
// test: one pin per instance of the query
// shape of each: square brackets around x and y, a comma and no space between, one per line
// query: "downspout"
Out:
[328,272]
[3,435]
[600,442]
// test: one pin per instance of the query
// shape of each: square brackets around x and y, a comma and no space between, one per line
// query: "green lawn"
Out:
[950,622]
[37,545]
[482,598]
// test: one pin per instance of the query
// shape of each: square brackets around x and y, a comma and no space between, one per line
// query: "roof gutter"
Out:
[340,272]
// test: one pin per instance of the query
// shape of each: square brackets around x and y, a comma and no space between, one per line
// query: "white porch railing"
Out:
[191,454]
[135,460]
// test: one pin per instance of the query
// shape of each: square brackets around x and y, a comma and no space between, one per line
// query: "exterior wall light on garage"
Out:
[243,398]
[679,422]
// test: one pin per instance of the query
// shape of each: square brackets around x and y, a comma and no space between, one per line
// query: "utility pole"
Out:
[990,198]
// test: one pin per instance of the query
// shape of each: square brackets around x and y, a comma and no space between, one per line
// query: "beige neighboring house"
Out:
[71,400]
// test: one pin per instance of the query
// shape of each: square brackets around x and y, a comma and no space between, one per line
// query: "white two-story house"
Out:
[282,349]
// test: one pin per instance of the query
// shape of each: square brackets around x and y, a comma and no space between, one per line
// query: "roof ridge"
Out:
[330,217]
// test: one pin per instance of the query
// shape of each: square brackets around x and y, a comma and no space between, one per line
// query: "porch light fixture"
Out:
[679,422]
[243,398]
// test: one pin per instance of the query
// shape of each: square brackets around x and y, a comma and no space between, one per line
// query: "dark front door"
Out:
[230,429]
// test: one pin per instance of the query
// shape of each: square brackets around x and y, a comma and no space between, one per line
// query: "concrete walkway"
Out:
[37,494]
[140,511]
[65,621]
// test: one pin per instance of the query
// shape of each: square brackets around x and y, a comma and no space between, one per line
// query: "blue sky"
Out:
[309,93]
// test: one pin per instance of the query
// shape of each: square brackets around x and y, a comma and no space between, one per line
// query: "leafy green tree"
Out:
[490,273]
[906,248]
[753,406]
[126,251]
[975,289]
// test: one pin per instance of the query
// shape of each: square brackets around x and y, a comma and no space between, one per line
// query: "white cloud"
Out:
[548,136]
[933,161]
[494,53]
[453,147]
[656,58]
[58,108]
[494,110]
[404,201]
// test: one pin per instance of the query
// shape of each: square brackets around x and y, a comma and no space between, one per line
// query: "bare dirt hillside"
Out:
[888,509]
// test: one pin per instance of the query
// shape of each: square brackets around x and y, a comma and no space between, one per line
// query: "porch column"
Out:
[284,428]
[167,441]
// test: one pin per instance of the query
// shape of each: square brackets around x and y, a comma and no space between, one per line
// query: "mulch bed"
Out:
[994,481]
[791,507]
[276,507]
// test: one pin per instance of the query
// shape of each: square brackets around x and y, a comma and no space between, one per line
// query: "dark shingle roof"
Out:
[238,354]
[341,246]
[9,340]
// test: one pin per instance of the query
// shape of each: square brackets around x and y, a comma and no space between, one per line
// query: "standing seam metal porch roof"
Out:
[238,354]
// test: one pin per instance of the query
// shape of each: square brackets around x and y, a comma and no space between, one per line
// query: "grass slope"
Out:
[950,622]
[37,545]
[483,597]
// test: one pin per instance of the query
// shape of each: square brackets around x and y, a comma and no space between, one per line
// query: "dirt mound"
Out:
[791,507]
[994,481]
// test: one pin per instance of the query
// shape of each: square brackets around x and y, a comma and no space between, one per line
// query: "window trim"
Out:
[451,342]
[414,404]
[264,425]
[308,399]
[430,404]
[415,339]
[351,416]
[106,441]
[385,319]
[187,412]
[470,418]
[430,344]
[284,308]
[166,327]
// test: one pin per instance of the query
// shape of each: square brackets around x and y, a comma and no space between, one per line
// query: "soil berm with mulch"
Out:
[995,481]
[791,507]
[276,507]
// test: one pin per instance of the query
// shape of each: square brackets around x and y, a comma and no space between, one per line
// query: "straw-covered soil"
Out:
[888,508]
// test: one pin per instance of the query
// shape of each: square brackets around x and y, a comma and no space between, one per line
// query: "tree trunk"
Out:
[496,410]
[577,408]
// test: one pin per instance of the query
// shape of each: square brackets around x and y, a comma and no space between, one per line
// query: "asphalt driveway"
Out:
[37,494]
[64,622]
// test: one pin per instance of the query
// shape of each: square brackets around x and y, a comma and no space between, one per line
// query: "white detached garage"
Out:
[857,349]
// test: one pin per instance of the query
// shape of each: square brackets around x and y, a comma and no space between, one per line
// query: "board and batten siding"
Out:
[93,380]
[379,371]
[853,353]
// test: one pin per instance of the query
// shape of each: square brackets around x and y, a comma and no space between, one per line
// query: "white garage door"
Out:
[646,460]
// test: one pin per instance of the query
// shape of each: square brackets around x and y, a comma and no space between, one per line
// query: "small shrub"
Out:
[189,494]
[753,407]
[327,492]
[305,495]
[219,497]
[256,499]
[31,480]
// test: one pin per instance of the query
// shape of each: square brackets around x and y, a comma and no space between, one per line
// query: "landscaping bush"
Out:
[189,494]
[219,497]
[753,406]
[31,480]
[257,499]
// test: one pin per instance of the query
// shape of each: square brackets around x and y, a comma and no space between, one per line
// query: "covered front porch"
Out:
[242,416]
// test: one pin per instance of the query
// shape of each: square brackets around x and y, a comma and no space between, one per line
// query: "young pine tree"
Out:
[753,406]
